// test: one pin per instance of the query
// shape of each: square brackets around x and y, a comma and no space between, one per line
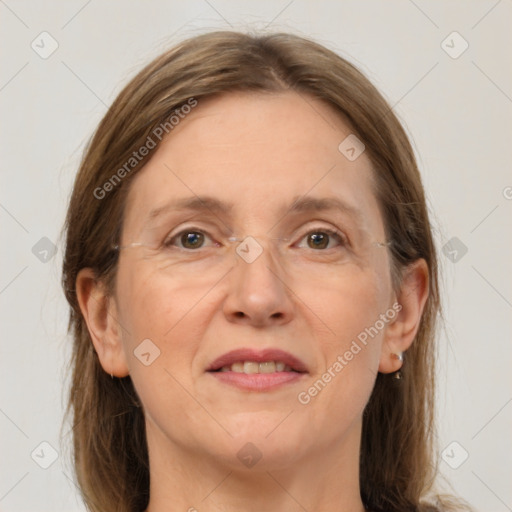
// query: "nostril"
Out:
[240,314]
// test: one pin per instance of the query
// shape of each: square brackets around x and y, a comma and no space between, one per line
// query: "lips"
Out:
[258,356]
[258,371]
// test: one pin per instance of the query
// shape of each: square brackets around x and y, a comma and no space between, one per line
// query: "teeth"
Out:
[267,367]
[249,367]
[237,367]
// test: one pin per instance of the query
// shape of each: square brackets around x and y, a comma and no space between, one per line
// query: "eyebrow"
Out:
[320,204]
[195,203]
[300,204]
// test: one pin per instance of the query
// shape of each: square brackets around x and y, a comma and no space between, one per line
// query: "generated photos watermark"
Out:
[304,397]
[151,142]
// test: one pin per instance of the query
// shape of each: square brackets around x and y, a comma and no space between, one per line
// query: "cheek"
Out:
[153,302]
[351,306]
[349,300]
[163,308]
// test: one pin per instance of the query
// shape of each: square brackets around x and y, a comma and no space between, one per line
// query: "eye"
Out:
[188,239]
[323,239]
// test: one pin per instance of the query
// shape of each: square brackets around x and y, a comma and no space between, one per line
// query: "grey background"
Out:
[457,110]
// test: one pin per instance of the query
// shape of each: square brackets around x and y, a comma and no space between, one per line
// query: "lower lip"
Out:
[257,381]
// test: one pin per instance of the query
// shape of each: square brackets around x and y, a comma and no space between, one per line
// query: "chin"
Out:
[258,454]
[269,439]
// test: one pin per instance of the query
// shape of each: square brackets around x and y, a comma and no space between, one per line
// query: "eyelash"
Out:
[331,232]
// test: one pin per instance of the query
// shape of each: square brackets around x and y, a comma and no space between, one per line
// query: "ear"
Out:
[100,314]
[410,302]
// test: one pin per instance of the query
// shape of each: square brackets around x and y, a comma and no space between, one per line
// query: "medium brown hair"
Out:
[397,463]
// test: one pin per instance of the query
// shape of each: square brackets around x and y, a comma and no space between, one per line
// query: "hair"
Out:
[397,456]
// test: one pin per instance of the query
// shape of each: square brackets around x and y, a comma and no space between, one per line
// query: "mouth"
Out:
[254,370]
[252,367]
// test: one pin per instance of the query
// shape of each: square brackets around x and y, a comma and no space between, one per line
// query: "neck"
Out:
[185,480]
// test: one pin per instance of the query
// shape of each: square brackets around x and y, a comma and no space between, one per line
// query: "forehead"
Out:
[258,153]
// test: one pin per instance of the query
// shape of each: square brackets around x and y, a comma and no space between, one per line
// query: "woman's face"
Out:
[310,288]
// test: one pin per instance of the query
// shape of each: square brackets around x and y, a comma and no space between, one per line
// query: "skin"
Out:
[239,148]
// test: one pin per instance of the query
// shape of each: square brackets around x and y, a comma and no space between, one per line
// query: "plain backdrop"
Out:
[453,92]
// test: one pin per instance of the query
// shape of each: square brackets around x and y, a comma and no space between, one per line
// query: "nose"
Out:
[258,294]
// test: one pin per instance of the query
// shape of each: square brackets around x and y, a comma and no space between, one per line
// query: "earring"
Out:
[111,376]
[399,357]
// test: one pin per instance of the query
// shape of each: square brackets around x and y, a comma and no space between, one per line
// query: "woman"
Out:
[253,290]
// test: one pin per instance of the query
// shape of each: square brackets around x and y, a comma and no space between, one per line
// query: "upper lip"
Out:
[247,354]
